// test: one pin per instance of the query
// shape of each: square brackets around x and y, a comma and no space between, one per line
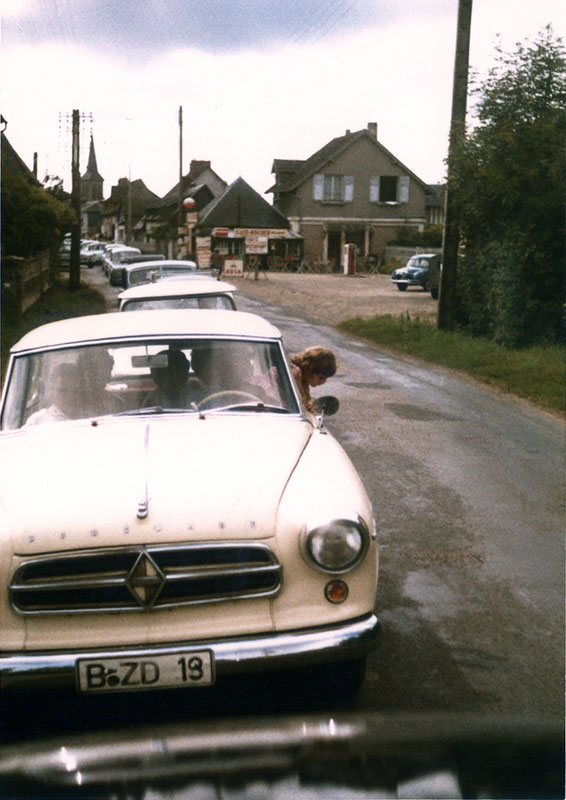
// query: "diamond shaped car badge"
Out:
[145,580]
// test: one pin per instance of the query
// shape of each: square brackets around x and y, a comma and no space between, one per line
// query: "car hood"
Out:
[118,482]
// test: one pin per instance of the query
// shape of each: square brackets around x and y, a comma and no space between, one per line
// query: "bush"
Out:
[32,220]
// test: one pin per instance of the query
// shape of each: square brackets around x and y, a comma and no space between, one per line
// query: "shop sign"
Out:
[256,245]
[233,267]
[220,231]
[247,232]
[203,251]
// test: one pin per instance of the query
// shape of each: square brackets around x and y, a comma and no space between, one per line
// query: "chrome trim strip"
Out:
[342,641]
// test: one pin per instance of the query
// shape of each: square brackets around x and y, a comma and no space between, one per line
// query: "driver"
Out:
[170,373]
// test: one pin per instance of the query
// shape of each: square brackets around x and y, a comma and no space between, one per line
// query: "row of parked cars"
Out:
[239,537]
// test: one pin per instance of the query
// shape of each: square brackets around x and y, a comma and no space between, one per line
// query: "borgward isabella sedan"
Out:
[170,514]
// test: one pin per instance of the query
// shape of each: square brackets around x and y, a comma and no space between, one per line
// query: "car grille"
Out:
[144,578]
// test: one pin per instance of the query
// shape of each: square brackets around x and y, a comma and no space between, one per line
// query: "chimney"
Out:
[35,165]
[372,128]
[348,131]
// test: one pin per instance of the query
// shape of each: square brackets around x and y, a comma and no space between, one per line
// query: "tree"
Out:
[32,219]
[509,187]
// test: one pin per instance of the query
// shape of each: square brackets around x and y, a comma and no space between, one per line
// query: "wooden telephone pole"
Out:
[181,212]
[75,263]
[451,239]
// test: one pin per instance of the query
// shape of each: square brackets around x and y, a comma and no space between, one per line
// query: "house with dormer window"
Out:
[351,191]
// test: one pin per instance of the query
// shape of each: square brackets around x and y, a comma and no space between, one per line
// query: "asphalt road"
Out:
[467,488]
[468,494]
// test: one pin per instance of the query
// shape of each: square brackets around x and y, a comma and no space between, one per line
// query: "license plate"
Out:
[138,673]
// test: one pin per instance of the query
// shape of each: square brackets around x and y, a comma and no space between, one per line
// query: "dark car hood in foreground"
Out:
[309,756]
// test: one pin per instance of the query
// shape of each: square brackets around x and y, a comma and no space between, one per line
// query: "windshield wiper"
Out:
[261,407]
[152,410]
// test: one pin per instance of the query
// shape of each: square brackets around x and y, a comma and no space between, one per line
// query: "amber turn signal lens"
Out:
[336,591]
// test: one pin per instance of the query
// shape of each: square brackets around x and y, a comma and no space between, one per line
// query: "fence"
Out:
[24,280]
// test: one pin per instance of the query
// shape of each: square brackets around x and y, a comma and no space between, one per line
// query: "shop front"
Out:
[236,250]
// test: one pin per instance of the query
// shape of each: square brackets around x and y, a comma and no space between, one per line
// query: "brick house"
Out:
[124,208]
[158,228]
[352,190]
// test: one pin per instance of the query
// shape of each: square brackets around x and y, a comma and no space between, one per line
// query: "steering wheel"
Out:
[234,393]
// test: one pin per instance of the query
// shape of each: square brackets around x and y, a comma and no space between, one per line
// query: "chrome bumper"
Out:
[339,642]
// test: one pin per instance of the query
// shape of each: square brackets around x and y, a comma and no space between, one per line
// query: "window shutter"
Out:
[348,188]
[317,187]
[403,189]
[374,189]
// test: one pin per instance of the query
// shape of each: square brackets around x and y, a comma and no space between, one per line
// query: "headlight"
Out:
[337,546]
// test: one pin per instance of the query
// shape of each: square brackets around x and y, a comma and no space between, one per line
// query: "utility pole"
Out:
[75,263]
[451,238]
[181,214]
[129,213]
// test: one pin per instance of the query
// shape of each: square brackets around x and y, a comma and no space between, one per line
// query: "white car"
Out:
[106,260]
[114,259]
[149,271]
[238,537]
[91,253]
[168,293]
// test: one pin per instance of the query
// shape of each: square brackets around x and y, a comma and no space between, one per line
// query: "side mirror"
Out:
[326,405]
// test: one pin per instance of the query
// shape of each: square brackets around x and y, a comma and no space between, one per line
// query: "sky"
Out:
[257,79]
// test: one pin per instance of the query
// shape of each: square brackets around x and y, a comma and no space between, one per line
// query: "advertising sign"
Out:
[256,244]
[203,251]
[233,267]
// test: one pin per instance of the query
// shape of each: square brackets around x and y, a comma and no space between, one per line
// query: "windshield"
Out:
[77,383]
[147,274]
[218,302]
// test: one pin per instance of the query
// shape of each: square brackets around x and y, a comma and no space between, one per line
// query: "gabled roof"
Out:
[242,207]
[315,163]
[140,196]
[13,164]
[197,168]
[200,192]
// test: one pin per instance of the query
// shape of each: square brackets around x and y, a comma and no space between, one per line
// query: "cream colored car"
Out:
[170,515]
[188,292]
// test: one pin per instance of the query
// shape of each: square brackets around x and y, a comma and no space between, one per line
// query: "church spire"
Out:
[91,166]
[92,180]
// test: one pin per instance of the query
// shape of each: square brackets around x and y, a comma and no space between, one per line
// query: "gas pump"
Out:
[349,259]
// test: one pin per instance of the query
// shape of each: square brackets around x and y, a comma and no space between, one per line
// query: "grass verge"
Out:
[535,373]
[58,302]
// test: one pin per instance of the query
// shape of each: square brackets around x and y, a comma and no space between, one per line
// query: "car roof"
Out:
[146,324]
[177,288]
[167,263]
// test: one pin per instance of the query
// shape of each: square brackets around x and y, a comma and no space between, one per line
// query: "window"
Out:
[389,189]
[333,188]
[228,246]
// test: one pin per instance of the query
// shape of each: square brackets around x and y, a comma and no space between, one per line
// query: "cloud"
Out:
[243,105]
[144,28]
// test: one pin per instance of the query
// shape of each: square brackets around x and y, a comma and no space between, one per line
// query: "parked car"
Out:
[65,254]
[416,272]
[239,536]
[121,258]
[176,293]
[91,253]
[116,258]
[106,261]
[135,274]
